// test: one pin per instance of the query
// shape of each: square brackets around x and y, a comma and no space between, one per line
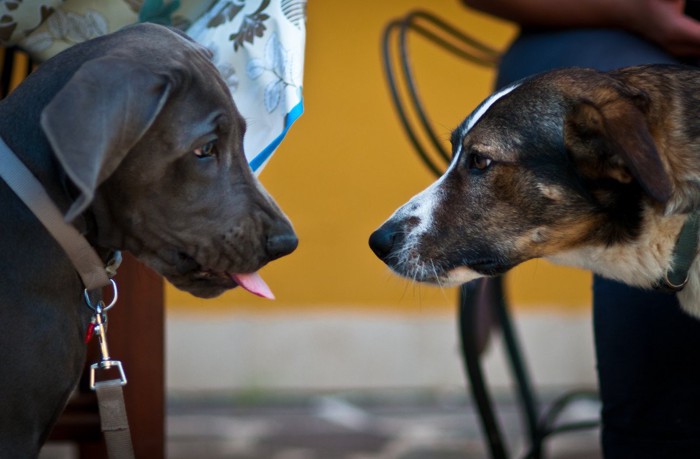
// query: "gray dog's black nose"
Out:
[383,241]
[281,243]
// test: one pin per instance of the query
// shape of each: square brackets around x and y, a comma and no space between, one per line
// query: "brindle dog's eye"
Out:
[205,151]
[479,162]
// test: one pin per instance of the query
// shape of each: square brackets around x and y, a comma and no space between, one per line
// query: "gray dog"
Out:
[136,139]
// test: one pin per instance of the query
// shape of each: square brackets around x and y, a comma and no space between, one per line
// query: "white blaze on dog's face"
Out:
[525,181]
[421,210]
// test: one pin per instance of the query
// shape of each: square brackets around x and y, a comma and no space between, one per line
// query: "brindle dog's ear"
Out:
[97,117]
[613,140]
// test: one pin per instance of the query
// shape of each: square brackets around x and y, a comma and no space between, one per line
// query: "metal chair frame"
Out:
[482,303]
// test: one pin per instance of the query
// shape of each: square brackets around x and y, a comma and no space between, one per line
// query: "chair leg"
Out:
[475,298]
[528,401]
[468,327]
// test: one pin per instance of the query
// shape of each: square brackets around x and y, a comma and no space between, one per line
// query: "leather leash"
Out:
[32,193]
[94,275]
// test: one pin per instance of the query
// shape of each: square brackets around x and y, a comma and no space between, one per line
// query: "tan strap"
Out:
[87,263]
[115,427]
[85,260]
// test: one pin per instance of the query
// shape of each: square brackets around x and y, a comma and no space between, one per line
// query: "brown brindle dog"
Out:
[598,170]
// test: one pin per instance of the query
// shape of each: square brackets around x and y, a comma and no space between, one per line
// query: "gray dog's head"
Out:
[147,132]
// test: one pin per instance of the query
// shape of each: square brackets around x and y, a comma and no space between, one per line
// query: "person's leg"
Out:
[649,374]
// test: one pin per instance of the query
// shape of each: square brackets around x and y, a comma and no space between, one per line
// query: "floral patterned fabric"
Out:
[19,18]
[258,46]
[46,27]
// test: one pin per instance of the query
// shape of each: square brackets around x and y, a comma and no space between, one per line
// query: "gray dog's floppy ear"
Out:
[97,117]
[613,140]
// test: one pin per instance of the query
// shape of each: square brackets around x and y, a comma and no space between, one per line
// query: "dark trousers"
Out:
[647,349]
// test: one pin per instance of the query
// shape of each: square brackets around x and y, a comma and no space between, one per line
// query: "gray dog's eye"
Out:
[206,150]
[479,162]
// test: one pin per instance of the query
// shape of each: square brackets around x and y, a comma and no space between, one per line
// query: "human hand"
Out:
[664,23]
[660,21]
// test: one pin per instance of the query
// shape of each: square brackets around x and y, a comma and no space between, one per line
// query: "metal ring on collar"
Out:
[675,287]
[102,308]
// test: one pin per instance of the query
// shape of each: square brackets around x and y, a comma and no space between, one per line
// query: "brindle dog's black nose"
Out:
[383,241]
[281,241]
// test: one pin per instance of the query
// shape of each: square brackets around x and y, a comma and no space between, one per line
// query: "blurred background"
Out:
[343,328]
[341,319]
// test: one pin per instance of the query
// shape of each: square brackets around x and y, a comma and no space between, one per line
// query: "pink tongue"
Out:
[254,284]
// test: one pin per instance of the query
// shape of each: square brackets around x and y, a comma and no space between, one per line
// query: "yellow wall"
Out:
[346,165]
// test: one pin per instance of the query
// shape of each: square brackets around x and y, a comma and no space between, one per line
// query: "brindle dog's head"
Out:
[548,165]
[146,130]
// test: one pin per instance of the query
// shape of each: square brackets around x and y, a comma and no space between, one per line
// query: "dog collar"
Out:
[84,258]
[684,253]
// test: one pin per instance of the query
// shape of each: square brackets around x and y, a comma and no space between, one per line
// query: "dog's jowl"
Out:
[136,139]
[590,169]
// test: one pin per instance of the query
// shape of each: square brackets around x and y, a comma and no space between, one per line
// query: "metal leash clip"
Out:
[100,330]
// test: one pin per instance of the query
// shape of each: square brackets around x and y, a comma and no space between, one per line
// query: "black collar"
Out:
[684,253]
